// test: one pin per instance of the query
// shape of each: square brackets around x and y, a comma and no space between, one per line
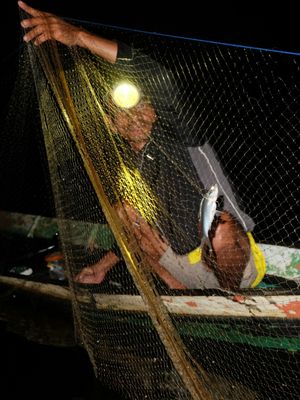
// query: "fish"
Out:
[207,212]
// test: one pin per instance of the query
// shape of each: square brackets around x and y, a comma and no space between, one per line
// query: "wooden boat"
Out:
[253,331]
[265,317]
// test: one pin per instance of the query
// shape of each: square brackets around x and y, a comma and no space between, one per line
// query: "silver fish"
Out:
[207,211]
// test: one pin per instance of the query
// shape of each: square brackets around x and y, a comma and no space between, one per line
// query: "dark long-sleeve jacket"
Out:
[164,163]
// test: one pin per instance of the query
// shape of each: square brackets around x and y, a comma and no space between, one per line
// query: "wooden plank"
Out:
[210,306]
[37,287]
[237,306]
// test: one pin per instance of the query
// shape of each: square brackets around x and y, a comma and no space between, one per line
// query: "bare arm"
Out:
[44,26]
[96,273]
[150,242]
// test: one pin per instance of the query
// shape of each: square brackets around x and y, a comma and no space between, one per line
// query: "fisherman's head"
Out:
[231,250]
[132,117]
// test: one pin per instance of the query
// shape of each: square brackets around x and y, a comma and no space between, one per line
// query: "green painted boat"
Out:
[265,317]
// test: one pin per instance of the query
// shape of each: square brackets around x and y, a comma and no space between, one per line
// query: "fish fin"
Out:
[209,245]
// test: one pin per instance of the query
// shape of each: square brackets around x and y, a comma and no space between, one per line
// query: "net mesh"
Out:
[217,114]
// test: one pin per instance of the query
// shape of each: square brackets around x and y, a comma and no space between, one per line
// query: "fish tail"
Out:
[206,240]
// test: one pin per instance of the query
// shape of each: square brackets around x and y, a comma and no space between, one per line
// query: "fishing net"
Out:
[218,114]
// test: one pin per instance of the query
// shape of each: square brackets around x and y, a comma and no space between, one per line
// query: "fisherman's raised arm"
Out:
[43,26]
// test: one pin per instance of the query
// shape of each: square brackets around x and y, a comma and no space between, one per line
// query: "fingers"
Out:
[90,275]
[34,33]
[147,237]
[31,22]
[31,11]
[86,273]
[151,242]
[41,23]
[41,39]
[40,32]
[28,9]
[86,279]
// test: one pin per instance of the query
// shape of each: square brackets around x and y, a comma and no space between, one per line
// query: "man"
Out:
[171,240]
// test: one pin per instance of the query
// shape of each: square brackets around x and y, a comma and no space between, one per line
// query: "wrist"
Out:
[109,260]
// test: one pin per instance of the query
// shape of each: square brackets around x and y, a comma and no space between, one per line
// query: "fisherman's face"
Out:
[135,125]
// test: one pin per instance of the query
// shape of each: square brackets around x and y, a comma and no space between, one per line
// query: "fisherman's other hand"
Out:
[230,251]
[148,238]
[91,274]
[44,26]
[96,273]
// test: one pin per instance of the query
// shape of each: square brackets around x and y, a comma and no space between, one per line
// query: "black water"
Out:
[34,371]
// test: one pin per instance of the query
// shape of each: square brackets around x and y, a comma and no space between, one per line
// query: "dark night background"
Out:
[260,24]
[253,23]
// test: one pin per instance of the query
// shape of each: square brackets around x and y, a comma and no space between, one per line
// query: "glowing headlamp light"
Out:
[126,95]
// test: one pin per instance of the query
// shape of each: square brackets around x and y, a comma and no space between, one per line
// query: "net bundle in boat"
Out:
[217,114]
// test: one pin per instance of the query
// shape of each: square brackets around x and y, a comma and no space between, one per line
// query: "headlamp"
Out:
[126,95]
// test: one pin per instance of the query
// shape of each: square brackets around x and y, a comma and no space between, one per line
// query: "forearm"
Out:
[105,48]
[165,275]
[109,260]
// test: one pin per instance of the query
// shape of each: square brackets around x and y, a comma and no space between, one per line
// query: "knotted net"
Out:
[217,113]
